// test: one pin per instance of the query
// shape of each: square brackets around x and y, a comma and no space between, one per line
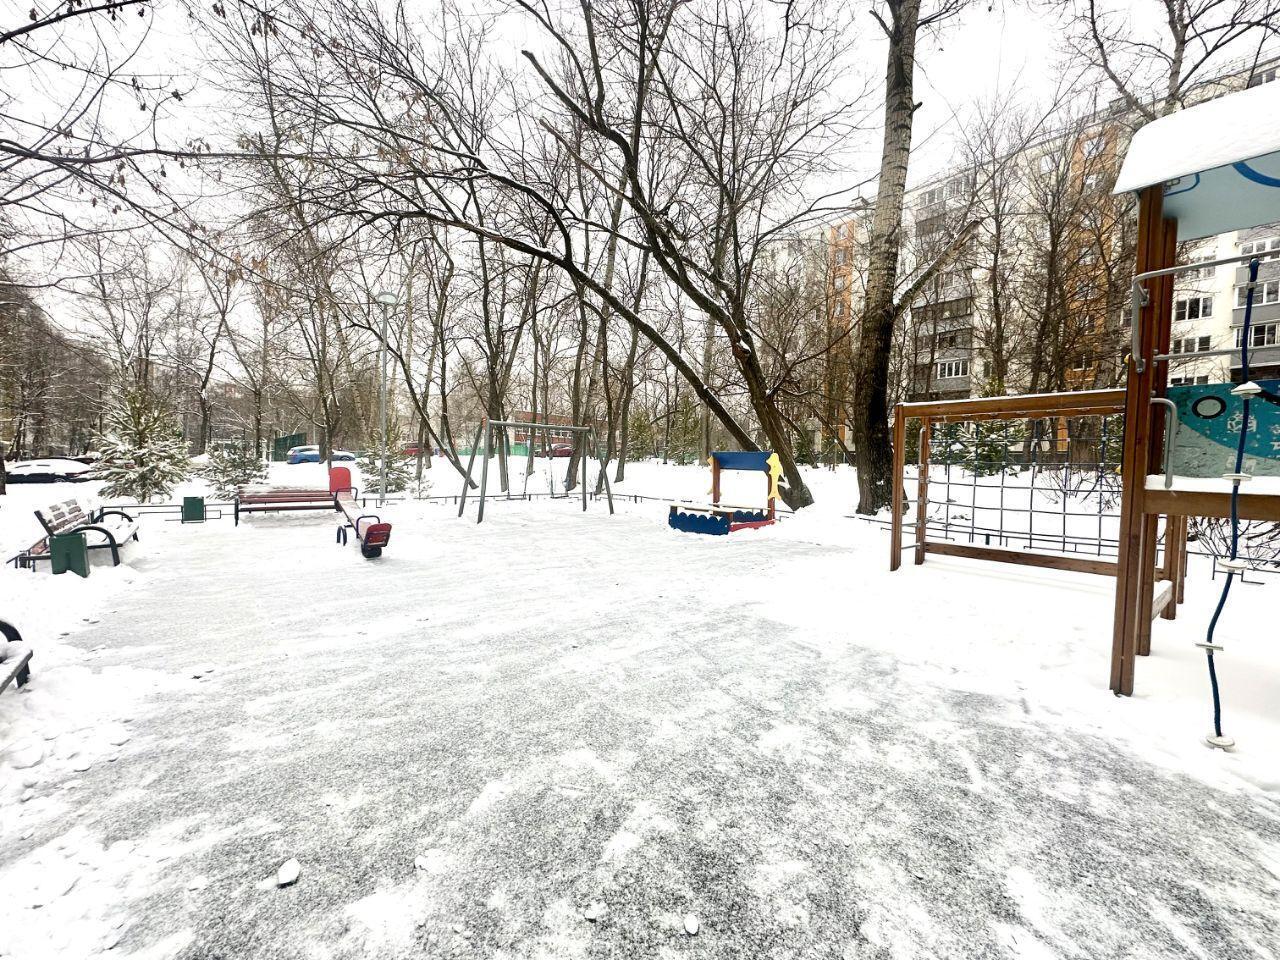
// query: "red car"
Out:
[562,450]
[411,450]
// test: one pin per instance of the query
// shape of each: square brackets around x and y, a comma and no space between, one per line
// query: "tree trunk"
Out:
[869,417]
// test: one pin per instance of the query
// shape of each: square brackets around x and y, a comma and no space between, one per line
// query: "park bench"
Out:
[266,500]
[15,657]
[113,528]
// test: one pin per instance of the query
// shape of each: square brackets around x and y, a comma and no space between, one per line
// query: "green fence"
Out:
[280,446]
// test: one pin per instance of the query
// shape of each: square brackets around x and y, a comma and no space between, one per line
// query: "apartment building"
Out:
[1083,275]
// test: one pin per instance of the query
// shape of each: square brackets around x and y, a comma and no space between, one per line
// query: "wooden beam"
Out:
[899,464]
[922,491]
[1152,246]
[1071,403]
[1204,503]
[1052,561]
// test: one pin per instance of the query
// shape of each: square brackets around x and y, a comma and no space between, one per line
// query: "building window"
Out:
[1267,291]
[929,226]
[1188,381]
[1200,273]
[1262,76]
[840,257]
[839,308]
[1094,146]
[947,341]
[1191,345]
[950,369]
[1092,182]
[840,282]
[1047,163]
[1192,308]
[1260,335]
[1265,249]
[1080,363]
[932,195]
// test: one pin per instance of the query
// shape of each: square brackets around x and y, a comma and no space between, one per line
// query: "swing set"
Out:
[493,432]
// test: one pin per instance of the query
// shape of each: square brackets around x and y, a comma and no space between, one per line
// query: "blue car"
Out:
[311,454]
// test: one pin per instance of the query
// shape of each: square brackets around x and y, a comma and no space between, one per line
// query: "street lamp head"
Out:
[386,298]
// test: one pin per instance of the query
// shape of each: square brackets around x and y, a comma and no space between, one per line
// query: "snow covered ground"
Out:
[563,734]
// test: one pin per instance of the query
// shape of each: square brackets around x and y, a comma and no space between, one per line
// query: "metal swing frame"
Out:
[584,442]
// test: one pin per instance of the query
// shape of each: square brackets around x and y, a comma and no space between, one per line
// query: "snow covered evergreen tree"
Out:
[143,453]
[399,472]
[231,467]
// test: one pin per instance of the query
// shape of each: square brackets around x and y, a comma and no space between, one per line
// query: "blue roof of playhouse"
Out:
[742,459]
[1219,162]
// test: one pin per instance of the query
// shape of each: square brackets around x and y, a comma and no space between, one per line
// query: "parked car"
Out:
[311,454]
[562,450]
[411,450]
[53,470]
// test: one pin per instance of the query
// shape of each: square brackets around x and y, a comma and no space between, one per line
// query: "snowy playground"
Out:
[567,734]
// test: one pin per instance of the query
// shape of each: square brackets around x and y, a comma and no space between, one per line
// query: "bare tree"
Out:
[901,21]
[1156,73]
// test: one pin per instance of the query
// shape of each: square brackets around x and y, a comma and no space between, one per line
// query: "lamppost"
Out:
[387,300]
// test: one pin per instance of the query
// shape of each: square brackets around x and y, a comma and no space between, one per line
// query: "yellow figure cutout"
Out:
[775,471]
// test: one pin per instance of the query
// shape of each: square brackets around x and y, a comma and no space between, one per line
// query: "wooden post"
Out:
[922,490]
[1152,254]
[1181,585]
[1172,564]
[715,481]
[1162,326]
[899,464]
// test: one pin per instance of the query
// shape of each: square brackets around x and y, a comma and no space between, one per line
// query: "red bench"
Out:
[261,500]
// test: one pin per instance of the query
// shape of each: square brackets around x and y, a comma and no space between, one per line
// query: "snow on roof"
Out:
[1219,162]
[1238,126]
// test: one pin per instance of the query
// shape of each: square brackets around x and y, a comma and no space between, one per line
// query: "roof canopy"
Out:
[1219,162]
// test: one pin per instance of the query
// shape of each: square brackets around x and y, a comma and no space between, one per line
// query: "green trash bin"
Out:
[193,510]
[69,551]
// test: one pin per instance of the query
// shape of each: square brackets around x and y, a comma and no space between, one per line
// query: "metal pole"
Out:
[382,402]
[604,470]
[484,467]
[466,480]
[582,445]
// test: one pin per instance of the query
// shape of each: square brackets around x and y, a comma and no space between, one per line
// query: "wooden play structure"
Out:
[719,519]
[1204,171]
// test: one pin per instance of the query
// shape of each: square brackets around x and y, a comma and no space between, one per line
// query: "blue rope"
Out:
[1235,496]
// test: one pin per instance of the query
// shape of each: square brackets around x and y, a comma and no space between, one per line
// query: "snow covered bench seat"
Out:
[106,528]
[267,499]
[15,657]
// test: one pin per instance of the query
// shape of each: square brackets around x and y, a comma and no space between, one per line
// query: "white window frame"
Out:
[1182,307]
[951,369]
[1267,333]
[1268,291]
[1264,248]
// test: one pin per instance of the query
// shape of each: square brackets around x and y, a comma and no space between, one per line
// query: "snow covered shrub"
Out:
[399,472]
[143,454]
[233,466]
